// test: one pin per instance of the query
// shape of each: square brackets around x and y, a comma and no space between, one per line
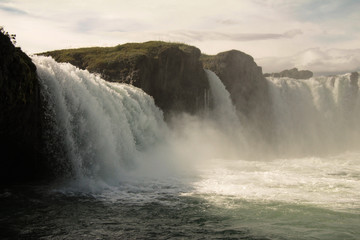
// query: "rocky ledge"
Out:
[292,73]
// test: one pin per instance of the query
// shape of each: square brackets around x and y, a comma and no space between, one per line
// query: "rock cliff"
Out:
[248,90]
[169,72]
[292,73]
[20,118]
[241,76]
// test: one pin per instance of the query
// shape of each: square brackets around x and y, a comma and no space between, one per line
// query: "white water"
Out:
[224,110]
[315,116]
[331,182]
[110,131]
[105,127]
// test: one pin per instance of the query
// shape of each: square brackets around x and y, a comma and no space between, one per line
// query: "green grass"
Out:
[116,63]
[99,57]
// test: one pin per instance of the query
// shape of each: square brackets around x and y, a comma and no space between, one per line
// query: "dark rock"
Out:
[292,73]
[20,118]
[354,78]
[242,78]
[169,72]
[248,89]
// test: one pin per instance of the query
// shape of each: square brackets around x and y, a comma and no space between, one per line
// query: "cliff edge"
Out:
[248,89]
[171,73]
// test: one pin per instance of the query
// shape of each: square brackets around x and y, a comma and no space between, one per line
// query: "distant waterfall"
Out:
[103,126]
[317,115]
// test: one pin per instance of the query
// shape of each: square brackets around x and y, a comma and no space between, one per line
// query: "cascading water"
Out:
[108,130]
[315,116]
[313,176]
[224,110]
[104,126]
[224,114]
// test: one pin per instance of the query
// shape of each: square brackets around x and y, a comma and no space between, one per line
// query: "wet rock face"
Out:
[180,81]
[292,73]
[20,118]
[174,78]
[242,78]
[248,89]
[354,78]
[171,73]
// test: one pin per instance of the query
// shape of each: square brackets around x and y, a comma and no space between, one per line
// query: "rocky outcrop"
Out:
[354,83]
[248,90]
[171,73]
[354,78]
[292,73]
[241,76]
[20,118]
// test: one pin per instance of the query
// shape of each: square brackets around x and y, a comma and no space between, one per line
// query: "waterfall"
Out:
[223,106]
[309,117]
[224,113]
[319,115]
[104,127]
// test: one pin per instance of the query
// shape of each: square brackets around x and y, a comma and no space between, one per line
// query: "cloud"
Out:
[102,24]
[208,35]
[13,10]
[320,61]
[320,11]
[228,22]
[292,33]
[259,27]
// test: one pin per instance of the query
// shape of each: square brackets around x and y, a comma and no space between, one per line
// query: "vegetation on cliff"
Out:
[170,72]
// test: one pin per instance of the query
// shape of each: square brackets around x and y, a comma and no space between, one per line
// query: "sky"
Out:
[319,35]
